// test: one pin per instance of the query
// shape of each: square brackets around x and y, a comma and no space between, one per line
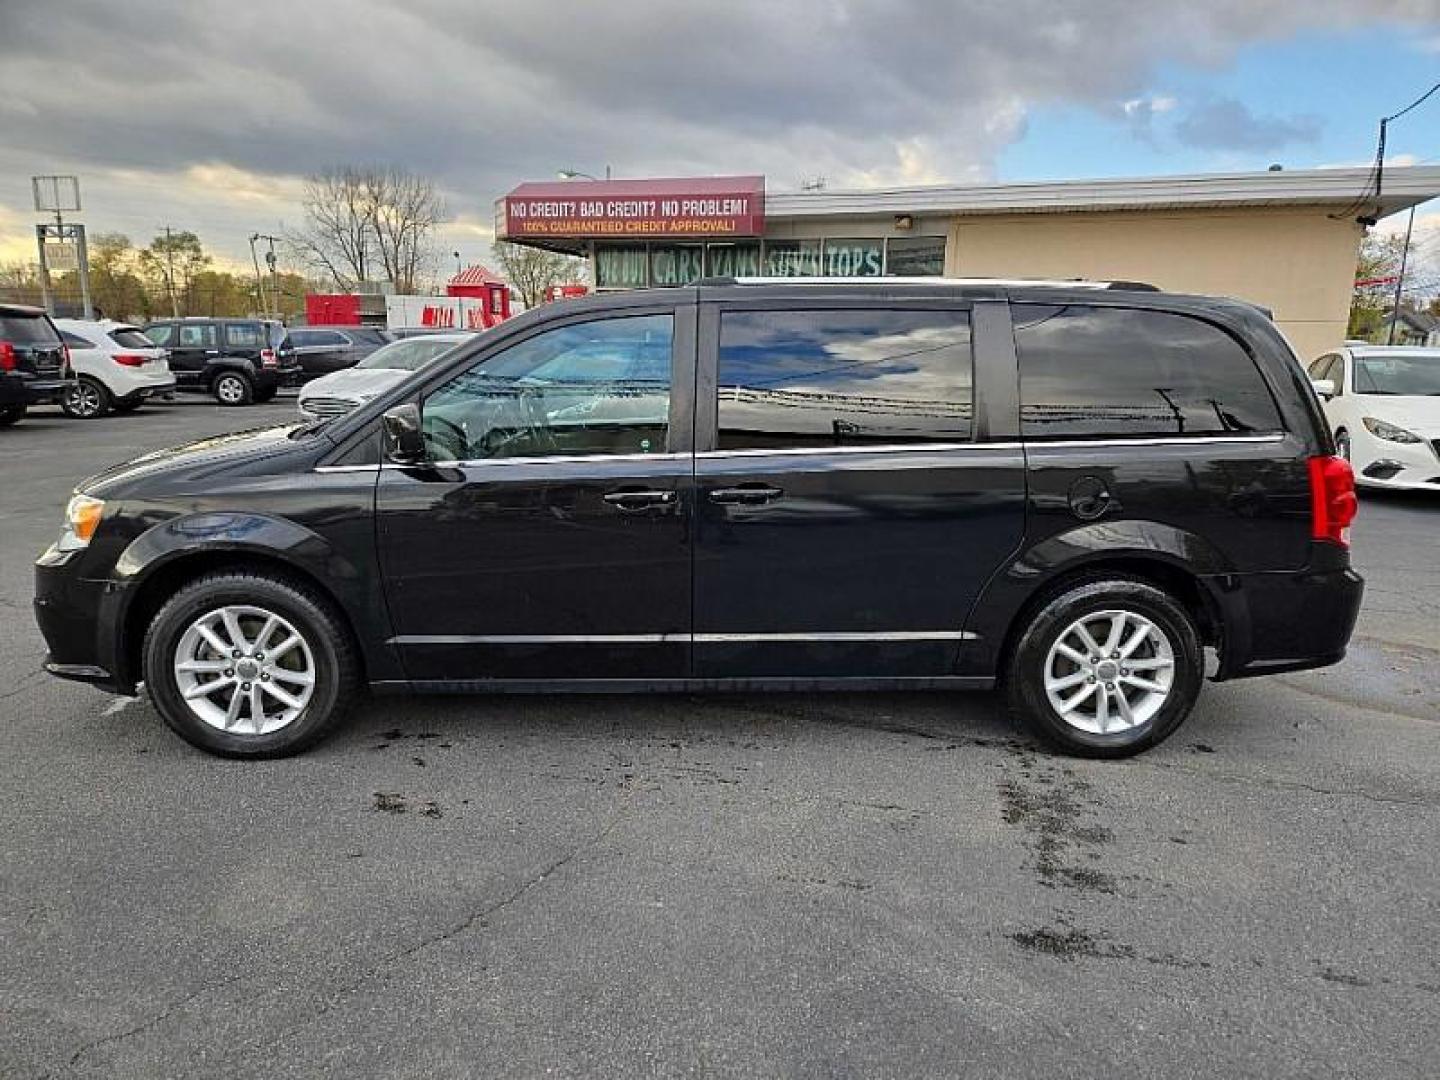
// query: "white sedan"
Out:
[1383,404]
[116,367]
[341,391]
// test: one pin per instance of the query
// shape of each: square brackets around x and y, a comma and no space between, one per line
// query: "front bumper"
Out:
[1382,463]
[74,618]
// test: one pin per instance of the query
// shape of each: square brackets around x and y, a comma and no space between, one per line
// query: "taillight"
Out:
[267,358]
[1332,499]
[7,356]
[128,360]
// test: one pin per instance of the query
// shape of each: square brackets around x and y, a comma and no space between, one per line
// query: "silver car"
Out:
[341,391]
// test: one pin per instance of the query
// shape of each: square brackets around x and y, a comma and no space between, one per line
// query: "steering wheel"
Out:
[451,438]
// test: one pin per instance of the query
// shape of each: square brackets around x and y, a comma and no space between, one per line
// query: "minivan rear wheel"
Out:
[249,665]
[1106,668]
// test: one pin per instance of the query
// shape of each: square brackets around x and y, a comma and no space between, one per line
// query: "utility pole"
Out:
[1400,280]
[170,273]
[259,285]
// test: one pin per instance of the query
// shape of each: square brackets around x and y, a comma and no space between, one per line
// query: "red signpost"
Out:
[644,209]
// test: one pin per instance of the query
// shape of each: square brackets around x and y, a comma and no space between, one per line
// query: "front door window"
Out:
[590,388]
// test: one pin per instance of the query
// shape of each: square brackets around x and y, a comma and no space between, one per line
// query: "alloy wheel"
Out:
[1109,671]
[84,400]
[244,670]
[230,390]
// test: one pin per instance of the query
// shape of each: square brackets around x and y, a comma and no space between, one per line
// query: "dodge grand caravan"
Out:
[1067,490]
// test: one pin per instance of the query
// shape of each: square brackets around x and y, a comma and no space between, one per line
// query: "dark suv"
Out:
[1067,490]
[34,362]
[235,360]
[325,349]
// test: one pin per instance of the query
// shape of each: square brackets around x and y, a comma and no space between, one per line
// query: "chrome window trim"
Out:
[810,451]
[655,639]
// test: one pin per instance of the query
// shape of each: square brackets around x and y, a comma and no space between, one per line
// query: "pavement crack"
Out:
[475,918]
[1295,785]
[21,684]
[154,1021]
[1351,703]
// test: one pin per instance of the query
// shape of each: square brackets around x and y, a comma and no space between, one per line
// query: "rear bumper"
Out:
[1286,621]
[17,389]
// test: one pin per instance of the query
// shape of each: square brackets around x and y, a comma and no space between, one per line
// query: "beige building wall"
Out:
[1297,262]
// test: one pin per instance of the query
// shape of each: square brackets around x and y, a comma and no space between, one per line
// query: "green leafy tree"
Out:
[170,265]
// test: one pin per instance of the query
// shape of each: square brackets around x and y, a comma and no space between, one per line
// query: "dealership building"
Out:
[1286,240]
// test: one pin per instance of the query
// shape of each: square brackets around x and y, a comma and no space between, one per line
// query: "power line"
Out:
[1375,183]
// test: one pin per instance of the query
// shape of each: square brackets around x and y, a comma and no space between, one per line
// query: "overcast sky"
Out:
[206,115]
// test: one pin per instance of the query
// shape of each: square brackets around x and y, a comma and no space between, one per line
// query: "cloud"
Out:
[207,114]
[1227,124]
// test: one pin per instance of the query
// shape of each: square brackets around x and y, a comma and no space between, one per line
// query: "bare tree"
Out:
[366,223]
[531,271]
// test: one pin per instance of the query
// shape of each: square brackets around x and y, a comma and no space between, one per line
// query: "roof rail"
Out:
[937,282]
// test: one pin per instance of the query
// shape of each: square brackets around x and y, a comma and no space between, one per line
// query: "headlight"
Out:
[82,518]
[1389,432]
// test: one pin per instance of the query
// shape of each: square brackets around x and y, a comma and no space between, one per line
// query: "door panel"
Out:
[551,539]
[846,518]
[526,570]
[865,564]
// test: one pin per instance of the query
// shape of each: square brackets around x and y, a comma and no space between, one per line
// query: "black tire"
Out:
[232,388]
[11,414]
[1026,672]
[86,399]
[268,394]
[337,681]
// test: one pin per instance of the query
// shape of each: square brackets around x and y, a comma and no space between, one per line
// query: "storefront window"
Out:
[853,258]
[915,256]
[621,267]
[676,264]
[733,260]
[792,258]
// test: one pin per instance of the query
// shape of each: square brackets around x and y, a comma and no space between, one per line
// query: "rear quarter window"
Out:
[1100,372]
[127,337]
[243,335]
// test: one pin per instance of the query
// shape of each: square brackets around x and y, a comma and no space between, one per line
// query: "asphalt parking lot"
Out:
[894,885]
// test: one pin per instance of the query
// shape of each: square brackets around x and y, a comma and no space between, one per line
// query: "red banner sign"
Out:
[720,206]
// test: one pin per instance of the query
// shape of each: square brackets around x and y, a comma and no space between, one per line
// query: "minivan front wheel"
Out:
[248,665]
[1107,668]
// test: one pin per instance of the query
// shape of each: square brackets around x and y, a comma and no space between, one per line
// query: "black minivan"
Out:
[1069,490]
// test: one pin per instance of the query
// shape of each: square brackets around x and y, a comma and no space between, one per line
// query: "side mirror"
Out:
[403,439]
[1324,387]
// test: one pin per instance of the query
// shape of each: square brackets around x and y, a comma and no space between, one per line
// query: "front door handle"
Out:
[746,495]
[633,500]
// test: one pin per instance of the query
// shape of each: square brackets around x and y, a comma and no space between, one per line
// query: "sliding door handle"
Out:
[746,495]
[629,501]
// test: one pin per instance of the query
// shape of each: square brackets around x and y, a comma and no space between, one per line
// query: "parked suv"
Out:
[115,365]
[34,363]
[322,350]
[1069,491]
[237,361]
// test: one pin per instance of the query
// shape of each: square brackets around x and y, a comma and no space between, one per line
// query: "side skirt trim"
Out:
[677,686]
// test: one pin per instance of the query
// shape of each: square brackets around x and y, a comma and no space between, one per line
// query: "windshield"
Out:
[1416,376]
[409,355]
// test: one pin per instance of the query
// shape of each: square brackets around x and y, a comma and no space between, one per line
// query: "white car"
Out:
[1383,404]
[341,391]
[116,367]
